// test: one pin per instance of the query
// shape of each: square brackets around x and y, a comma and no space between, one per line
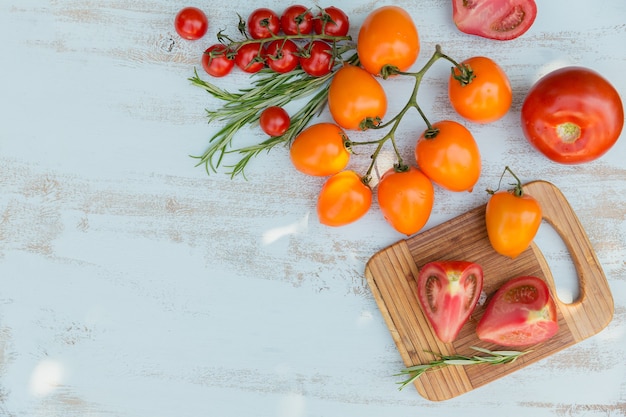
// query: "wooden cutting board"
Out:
[392,276]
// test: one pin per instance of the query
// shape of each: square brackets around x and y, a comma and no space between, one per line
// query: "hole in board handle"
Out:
[560,262]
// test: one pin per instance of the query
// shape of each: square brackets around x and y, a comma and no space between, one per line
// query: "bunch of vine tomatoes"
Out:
[316,42]
[295,38]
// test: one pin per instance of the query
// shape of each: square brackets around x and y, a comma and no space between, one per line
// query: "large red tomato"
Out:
[494,19]
[388,36]
[520,313]
[572,115]
[448,292]
[355,96]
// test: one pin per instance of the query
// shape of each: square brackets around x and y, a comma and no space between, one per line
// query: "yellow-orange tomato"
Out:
[388,36]
[487,97]
[354,95]
[451,158]
[512,221]
[343,199]
[320,150]
[406,199]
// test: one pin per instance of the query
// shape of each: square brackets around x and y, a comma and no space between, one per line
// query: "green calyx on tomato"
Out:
[448,292]
[512,219]
[521,312]
[572,115]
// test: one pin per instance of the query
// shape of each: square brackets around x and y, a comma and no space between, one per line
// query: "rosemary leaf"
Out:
[492,357]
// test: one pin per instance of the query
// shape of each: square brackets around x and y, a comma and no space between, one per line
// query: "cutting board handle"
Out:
[595,295]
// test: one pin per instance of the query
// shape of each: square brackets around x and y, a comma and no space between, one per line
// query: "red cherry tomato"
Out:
[572,115]
[216,61]
[274,121]
[191,23]
[263,23]
[344,198]
[281,55]
[250,57]
[332,21]
[320,150]
[494,19]
[296,20]
[520,313]
[354,96]
[317,58]
[406,199]
[379,46]
[481,93]
[450,159]
[448,292]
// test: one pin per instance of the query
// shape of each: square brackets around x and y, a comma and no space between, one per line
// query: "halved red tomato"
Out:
[494,19]
[520,313]
[448,292]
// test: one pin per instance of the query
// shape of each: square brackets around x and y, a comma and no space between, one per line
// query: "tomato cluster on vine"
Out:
[445,153]
[300,37]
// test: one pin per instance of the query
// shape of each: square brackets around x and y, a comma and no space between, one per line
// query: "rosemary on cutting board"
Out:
[493,357]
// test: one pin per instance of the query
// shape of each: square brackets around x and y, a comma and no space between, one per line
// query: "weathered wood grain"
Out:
[133,284]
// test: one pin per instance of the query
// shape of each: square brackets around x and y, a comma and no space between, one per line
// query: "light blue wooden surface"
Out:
[132,285]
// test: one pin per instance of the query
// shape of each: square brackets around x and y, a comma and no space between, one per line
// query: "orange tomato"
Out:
[487,97]
[354,95]
[320,150]
[513,219]
[451,159]
[344,198]
[406,199]
[388,36]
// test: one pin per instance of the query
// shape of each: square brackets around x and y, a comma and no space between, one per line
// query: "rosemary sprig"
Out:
[493,357]
[244,108]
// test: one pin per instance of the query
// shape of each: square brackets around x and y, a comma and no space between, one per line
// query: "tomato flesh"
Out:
[448,292]
[494,19]
[572,115]
[520,313]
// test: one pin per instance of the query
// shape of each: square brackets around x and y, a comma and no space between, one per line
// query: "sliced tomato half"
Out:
[448,292]
[494,19]
[521,312]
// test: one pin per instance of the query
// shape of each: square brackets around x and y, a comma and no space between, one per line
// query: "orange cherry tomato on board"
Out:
[513,219]
[482,92]
[451,158]
[355,95]
[406,199]
[388,36]
[344,198]
[320,150]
